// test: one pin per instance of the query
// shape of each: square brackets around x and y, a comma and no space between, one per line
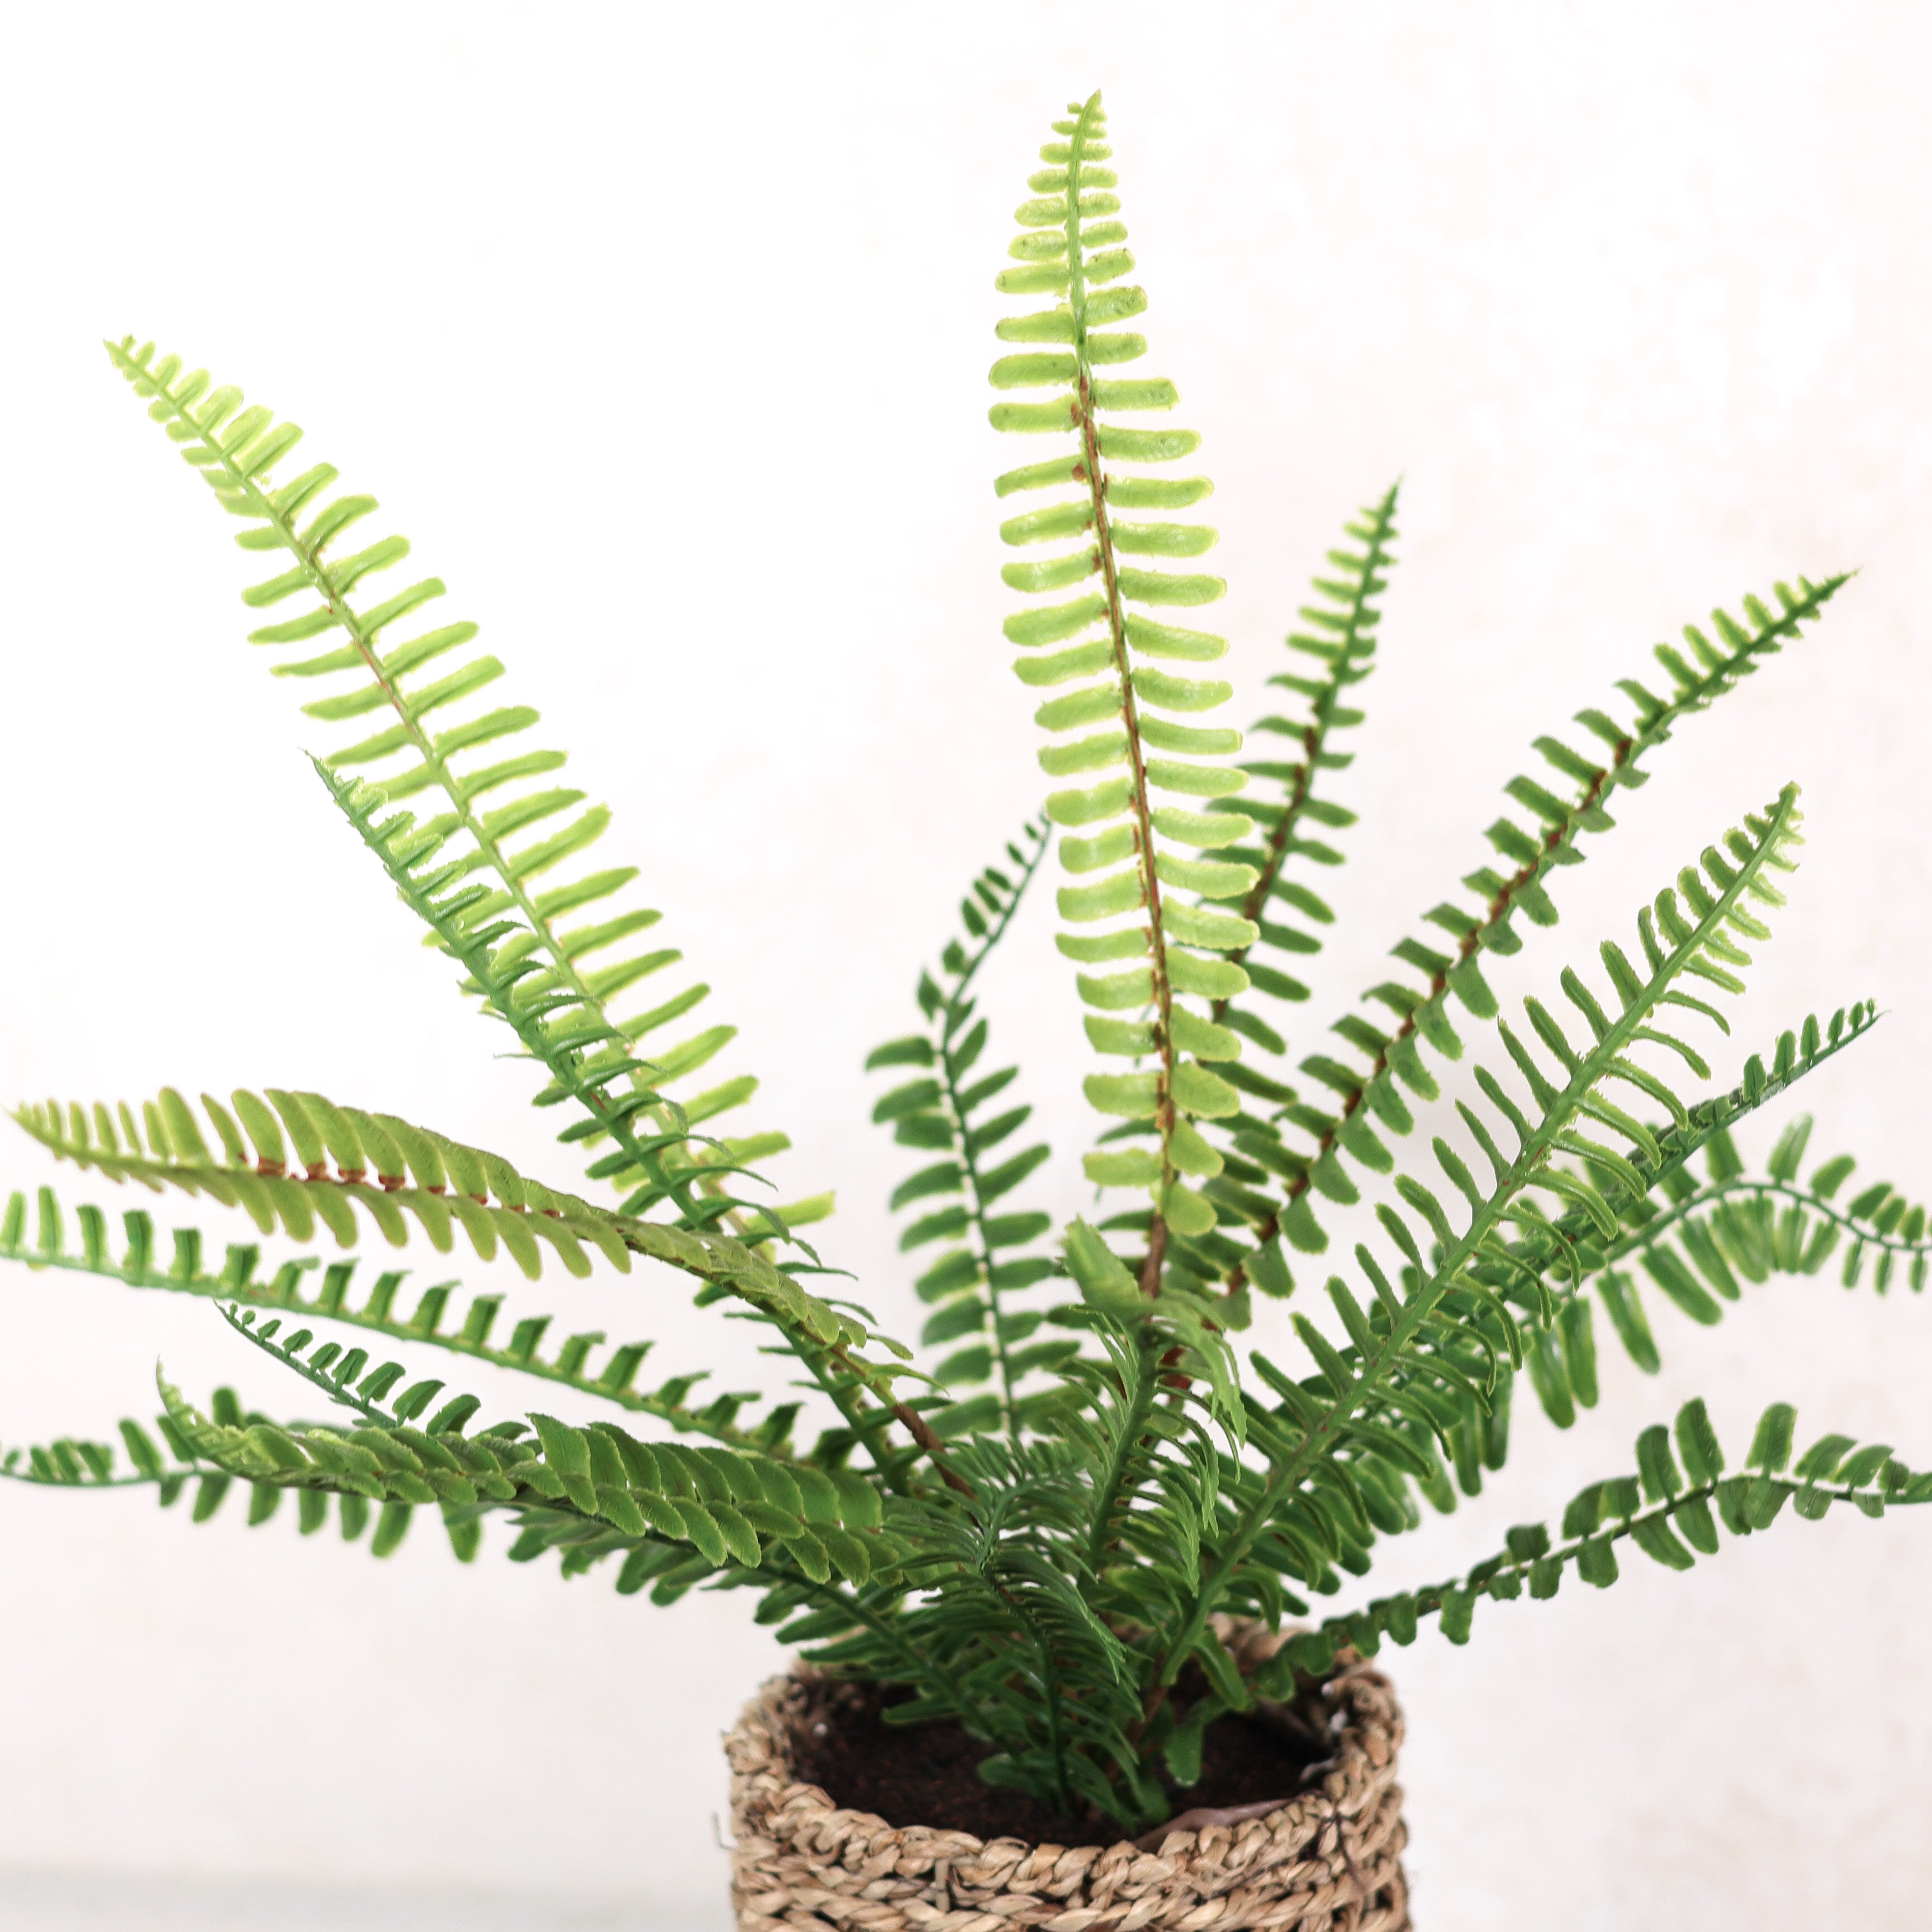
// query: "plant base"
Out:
[1327,1860]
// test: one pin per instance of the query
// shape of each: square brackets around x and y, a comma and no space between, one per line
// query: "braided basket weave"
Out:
[1327,1860]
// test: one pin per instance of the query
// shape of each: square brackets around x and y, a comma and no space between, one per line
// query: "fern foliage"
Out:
[275,1164]
[1341,1123]
[1035,1535]
[1671,1510]
[508,846]
[1153,777]
[598,1491]
[308,1288]
[1340,621]
[955,1106]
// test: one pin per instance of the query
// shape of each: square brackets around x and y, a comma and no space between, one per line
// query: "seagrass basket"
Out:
[1327,1860]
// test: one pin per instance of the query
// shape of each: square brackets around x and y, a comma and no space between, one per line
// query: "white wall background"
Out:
[662,331]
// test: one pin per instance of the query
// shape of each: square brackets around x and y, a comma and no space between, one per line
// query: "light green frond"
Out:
[275,1164]
[520,841]
[1124,726]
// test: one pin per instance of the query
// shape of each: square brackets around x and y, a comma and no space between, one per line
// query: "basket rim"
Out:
[809,1806]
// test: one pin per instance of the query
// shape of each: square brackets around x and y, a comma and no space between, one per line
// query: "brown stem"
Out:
[1117,628]
[915,1425]
[1256,902]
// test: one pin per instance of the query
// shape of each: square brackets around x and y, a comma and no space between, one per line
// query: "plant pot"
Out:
[1327,1860]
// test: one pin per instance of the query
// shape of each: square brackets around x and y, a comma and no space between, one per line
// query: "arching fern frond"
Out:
[1371,1095]
[579,1361]
[594,1488]
[1670,1509]
[1342,619]
[1742,1225]
[80,1463]
[942,1110]
[1109,647]
[517,841]
[275,1164]
[74,1463]
[832,1341]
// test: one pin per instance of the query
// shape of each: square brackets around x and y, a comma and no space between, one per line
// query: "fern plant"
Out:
[1033,1536]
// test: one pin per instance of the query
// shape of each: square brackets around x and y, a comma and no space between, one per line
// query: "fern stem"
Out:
[29,1475]
[1117,632]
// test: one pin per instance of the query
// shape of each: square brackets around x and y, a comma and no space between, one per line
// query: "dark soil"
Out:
[925,1774]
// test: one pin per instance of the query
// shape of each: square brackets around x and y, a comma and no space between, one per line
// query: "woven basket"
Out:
[1327,1861]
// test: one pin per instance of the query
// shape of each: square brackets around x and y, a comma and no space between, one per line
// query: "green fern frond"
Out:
[1741,1227]
[1342,619]
[1369,1095]
[1668,1511]
[942,1110]
[80,1463]
[1108,649]
[1321,1174]
[275,1165]
[596,1491]
[1571,1249]
[72,1462]
[517,841]
[1255,1155]
[176,1154]
[578,1362]
[663,1163]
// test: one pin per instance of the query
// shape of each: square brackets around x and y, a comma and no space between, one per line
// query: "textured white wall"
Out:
[663,332]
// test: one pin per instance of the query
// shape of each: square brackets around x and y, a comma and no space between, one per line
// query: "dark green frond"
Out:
[580,1361]
[591,1492]
[1369,1092]
[1672,1513]
[961,1116]
[1297,825]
